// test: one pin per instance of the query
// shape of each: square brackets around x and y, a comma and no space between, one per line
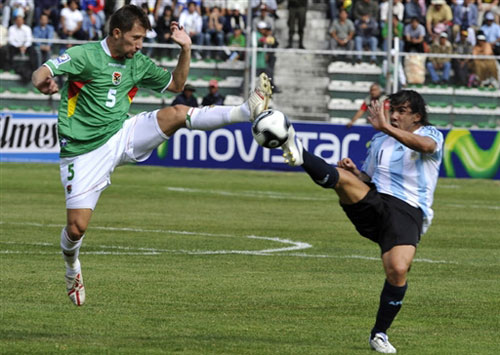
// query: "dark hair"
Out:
[415,101]
[125,17]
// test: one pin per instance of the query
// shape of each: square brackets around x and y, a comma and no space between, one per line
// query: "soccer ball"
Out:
[270,128]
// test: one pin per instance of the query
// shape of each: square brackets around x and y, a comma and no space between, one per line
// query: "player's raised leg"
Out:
[207,118]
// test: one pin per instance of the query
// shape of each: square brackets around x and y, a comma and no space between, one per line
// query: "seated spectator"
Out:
[365,7]
[237,39]
[186,97]
[485,6]
[398,9]
[235,17]
[414,35]
[464,16]
[213,97]
[163,30]
[413,10]
[438,18]
[366,35]
[96,6]
[342,32]
[71,22]
[49,8]
[441,46]
[91,25]
[20,44]
[491,30]
[183,6]
[26,6]
[485,69]
[192,22]
[214,34]
[397,32]
[461,66]
[375,95]
[43,50]
[263,17]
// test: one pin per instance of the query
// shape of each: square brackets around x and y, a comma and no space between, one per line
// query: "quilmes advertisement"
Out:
[467,153]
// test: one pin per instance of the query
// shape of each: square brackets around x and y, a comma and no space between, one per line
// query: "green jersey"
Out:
[97,95]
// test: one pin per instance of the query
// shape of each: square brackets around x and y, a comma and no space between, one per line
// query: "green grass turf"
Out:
[155,289]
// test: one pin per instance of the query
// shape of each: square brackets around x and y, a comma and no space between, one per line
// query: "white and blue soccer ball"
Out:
[270,128]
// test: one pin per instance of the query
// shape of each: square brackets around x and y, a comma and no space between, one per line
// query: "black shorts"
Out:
[386,220]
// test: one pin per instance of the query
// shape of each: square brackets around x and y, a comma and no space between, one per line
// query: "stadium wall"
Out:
[467,153]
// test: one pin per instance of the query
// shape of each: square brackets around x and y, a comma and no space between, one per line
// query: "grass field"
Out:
[238,262]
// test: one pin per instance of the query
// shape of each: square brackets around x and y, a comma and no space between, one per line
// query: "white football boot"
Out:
[380,343]
[292,149]
[75,288]
[259,98]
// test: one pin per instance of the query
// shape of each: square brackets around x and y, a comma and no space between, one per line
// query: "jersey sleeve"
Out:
[73,61]
[152,76]
[433,133]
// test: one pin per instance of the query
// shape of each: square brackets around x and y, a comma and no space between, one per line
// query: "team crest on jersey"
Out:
[117,78]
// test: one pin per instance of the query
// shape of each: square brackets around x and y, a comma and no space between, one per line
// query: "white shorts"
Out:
[85,176]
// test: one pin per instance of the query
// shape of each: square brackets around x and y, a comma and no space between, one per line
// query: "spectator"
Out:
[485,6]
[235,18]
[464,16]
[214,34]
[297,10]
[20,44]
[160,6]
[461,66]
[263,17]
[193,23]
[438,18]
[71,22]
[43,50]
[186,97]
[398,9]
[485,69]
[183,6]
[397,32]
[491,30]
[163,30]
[150,34]
[366,35]
[414,35]
[375,95]
[96,6]
[237,39]
[26,6]
[50,8]
[213,97]
[270,6]
[413,10]
[266,61]
[91,25]
[342,32]
[441,46]
[366,7]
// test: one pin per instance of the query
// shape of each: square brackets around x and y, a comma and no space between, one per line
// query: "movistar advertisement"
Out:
[467,153]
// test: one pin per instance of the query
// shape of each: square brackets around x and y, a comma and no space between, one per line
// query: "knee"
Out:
[76,229]
[396,274]
[170,119]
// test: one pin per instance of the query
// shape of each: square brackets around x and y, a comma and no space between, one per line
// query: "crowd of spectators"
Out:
[430,26]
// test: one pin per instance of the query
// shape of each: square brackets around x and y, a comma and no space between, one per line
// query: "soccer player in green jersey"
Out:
[95,132]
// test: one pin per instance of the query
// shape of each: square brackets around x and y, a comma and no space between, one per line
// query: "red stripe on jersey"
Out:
[74,87]
[132,93]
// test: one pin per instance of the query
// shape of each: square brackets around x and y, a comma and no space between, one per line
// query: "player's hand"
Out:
[377,116]
[179,35]
[348,165]
[48,87]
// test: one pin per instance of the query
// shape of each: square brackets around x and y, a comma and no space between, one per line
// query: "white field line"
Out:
[458,205]
[121,250]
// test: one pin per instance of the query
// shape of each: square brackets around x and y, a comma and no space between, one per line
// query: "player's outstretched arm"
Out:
[43,81]
[181,71]
[413,141]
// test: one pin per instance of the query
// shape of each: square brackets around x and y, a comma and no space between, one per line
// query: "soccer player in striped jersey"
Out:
[95,132]
[389,200]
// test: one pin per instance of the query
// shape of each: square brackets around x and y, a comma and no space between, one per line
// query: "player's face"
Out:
[130,42]
[403,118]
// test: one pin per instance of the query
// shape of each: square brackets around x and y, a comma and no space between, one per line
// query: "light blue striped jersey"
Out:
[404,173]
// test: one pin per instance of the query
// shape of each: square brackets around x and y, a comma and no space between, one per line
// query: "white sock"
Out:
[70,251]
[208,118]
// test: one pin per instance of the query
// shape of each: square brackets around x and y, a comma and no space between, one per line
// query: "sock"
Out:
[70,252]
[320,171]
[391,300]
[208,118]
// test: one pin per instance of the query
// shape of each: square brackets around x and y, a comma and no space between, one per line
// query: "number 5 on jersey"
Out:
[111,98]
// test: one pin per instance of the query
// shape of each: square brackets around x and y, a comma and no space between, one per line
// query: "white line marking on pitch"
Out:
[154,251]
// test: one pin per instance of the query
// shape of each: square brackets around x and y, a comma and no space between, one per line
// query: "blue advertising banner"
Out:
[467,153]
